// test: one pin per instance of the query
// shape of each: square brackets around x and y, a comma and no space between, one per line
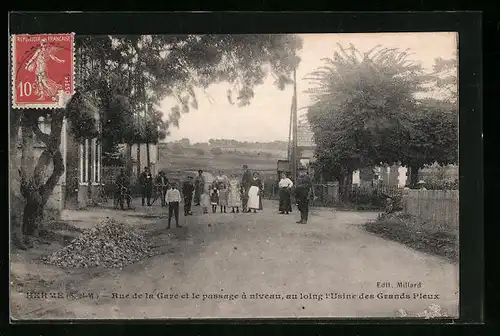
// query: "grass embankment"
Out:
[431,238]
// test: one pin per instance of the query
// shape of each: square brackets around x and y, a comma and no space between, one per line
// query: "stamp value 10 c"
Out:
[42,70]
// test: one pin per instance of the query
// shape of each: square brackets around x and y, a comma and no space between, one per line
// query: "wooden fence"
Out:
[436,206]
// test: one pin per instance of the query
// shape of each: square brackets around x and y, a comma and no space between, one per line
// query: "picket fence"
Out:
[436,206]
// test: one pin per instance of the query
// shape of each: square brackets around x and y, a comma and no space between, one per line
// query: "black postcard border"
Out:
[468,26]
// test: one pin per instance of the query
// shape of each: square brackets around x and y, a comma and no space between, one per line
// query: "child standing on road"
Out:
[223,194]
[214,198]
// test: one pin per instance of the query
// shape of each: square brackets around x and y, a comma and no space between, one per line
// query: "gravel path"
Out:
[265,254]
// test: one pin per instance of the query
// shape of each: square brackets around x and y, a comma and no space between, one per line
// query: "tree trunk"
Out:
[349,180]
[138,160]
[32,214]
[345,185]
[128,159]
[34,189]
[342,189]
[413,178]
[148,155]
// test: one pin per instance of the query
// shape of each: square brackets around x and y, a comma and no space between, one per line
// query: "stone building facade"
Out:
[78,185]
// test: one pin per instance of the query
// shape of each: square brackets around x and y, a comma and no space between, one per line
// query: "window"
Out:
[82,165]
[96,161]
[90,161]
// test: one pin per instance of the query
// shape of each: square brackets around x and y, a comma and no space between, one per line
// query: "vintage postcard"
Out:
[234,176]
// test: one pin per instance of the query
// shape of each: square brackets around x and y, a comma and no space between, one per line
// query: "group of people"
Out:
[165,190]
[225,193]
[230,193]
[304,192]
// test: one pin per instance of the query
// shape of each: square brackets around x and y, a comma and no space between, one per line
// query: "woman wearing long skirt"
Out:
[285,186]
[199,186]
[254,193]
[205,201]
[234,195]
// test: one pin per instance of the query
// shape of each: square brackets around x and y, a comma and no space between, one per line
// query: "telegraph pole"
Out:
[294,126]
[289,147]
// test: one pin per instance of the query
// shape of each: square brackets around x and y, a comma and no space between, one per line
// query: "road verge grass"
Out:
[431,238]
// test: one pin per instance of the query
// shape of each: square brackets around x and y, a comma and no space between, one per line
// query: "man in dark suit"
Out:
[246,183]
[146,182]
[187,193]
[303,193]
[121,196]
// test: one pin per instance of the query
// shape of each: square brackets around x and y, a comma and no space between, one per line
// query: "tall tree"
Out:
[362,106]
[366,112]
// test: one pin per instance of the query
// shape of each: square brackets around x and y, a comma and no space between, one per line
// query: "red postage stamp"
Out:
[42,70]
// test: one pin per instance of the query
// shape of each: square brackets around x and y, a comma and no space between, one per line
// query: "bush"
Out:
[177,149]
[199,151]
[416,234]
[364,197]
[51,213]
[216,151]
[441,185]
[268,155]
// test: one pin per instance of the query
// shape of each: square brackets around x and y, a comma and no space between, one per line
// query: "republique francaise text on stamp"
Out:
[42,70]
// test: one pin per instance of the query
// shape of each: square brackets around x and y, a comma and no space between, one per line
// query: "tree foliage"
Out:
[434,135]
[365,112]
[445,78]
[216,151]
[362,103]
[138,71]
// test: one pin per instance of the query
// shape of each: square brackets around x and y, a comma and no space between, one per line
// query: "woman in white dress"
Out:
[285,186]
[254,193]
[205,198]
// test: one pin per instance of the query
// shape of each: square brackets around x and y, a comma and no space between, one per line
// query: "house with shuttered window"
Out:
[83,174]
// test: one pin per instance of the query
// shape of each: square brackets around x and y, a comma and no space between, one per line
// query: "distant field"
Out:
[227,162]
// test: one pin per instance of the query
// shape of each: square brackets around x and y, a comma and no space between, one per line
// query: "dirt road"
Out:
[329,267]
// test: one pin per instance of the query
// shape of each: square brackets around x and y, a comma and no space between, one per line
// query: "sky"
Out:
[267,117]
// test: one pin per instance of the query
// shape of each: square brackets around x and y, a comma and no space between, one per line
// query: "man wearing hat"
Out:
[199,186]
[122,186]
[246,183]
[421,185]
[146,183]
[303,193]
[187,193]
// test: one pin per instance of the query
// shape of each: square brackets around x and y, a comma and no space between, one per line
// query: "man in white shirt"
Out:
[285,186]
[173,198]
